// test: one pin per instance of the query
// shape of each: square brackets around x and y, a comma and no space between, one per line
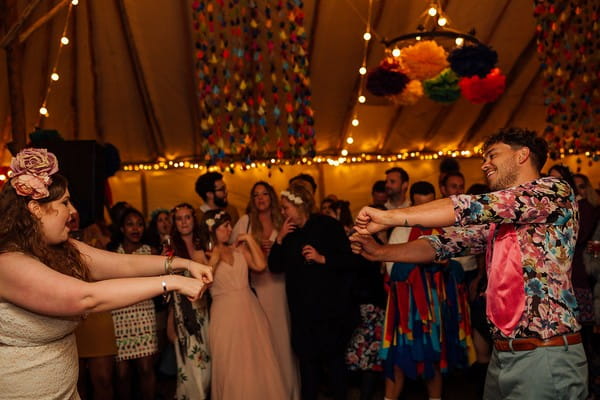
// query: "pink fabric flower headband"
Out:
[30,172]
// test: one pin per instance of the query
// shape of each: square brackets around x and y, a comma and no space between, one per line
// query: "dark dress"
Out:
[319,295]
[322,312]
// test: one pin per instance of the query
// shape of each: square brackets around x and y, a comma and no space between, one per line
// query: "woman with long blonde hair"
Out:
[263,221]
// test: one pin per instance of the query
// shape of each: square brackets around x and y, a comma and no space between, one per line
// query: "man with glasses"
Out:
[213,191]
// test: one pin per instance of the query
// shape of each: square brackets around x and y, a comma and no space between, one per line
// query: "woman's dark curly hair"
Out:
[21,231]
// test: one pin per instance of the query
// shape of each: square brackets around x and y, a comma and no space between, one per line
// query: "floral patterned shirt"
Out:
[545,217]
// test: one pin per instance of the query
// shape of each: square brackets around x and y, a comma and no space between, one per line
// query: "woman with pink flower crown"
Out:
[49,282]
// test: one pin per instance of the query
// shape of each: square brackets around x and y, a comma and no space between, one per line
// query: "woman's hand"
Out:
[201,272]
[287,227]
[311,254]
[193,289]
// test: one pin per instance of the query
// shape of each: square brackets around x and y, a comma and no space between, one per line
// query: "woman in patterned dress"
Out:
[187,324]
[135,325]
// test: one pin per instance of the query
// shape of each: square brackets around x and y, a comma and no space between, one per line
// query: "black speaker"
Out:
[82,162]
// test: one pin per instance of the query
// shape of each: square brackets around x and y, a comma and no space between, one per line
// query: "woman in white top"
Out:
[48,281]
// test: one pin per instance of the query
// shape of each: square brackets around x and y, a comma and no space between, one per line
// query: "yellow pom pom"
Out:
[424,60]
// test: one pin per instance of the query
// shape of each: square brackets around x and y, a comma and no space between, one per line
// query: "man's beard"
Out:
[220,202]
[507,178]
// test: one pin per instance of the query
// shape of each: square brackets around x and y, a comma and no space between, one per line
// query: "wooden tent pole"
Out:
[43,19]
[16,27]
[45,70]
[191,73]
[98,120]
[156,138]
[75,124]
[14,59]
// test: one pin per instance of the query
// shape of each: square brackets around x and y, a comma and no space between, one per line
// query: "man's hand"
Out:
[370,220]
[366,246]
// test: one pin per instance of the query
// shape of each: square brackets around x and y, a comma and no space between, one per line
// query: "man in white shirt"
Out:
[396,186]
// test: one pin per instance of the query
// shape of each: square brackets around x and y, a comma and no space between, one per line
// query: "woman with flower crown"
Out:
[263,222]
[244,365]
[48,281]
[314,253]
[187,324]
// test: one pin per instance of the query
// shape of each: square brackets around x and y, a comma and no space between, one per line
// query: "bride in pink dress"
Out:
[244,365]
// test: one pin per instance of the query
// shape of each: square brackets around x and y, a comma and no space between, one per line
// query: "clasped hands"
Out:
[368,221]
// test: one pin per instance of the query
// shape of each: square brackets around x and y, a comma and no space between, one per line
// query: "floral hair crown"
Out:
[30,172]
[297,200]
[211,221]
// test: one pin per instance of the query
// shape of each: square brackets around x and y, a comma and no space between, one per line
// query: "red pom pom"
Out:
[483,90]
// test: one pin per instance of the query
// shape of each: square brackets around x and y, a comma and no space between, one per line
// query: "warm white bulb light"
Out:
[442,21]
[344,152]
[459,41]
[362,99]
[74,2]
[367,36]
[349,140]
[432,11]
[54,76]
[355,122]
[44,111]
[64,40]
[418,38]
[396,52]
[362,70]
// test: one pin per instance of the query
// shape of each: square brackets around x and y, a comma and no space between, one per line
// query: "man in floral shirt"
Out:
[527,228]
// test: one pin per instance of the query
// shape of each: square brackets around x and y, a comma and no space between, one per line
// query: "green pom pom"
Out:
[443,88]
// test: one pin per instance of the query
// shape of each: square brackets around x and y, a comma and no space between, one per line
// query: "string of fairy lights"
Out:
[433,14]
[54,75]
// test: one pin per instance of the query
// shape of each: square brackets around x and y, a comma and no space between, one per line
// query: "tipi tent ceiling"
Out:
[127,78]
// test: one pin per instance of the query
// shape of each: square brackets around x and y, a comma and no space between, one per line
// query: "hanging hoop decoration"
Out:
[447,63]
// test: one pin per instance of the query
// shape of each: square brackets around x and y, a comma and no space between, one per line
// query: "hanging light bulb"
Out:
[459,41]
[362,70]
[396,52]
[362,99]
[367,36]
[74,2]
[344,152]
[418,38]
[64,40]
[54,76]
[349,140]
[355,121]
[432,11]
[44,111]
[442,21]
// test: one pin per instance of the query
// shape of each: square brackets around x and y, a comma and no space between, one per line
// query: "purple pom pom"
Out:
[468,61]
[384,82]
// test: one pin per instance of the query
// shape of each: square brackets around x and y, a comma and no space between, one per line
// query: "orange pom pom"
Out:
[423,60]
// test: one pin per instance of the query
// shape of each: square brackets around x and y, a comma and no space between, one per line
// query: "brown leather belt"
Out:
[524,344]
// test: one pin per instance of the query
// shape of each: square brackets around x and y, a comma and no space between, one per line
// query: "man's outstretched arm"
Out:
[437,213]
[417,251]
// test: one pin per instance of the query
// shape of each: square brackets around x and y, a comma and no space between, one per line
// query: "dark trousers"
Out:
[311,371]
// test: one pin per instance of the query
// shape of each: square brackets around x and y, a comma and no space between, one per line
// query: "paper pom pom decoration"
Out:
[426,68]
[385,82]
[423,60]
[410,95]
[477,60]
[443,88]
[483,90]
